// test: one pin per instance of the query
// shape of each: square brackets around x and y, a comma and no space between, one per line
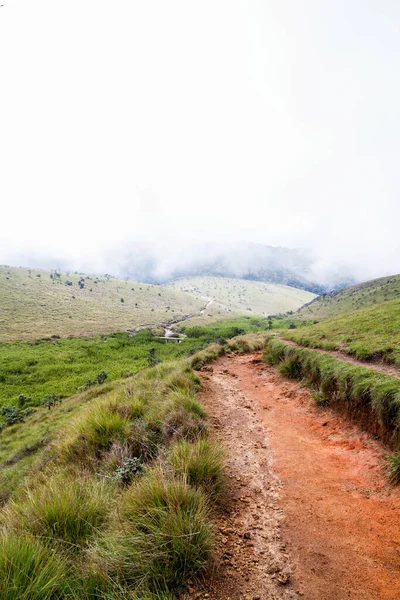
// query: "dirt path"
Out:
[310,514]
[379,367]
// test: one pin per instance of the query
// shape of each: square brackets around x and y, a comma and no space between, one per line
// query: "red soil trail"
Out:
[324,523]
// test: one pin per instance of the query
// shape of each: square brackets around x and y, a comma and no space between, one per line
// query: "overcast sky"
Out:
[268,121]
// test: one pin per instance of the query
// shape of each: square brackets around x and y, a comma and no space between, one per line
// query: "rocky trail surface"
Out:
[309,514]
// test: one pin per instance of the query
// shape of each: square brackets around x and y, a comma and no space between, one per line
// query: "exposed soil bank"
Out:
[312,515]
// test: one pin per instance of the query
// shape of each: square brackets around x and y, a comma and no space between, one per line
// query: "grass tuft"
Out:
[63,508]
[162,535]
[202,465]
[30,570]
[291,368]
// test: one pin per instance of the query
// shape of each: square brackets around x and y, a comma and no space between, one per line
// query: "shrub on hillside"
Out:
[12,415]
[23,400]
[51,400]
[101,377]
[152,358]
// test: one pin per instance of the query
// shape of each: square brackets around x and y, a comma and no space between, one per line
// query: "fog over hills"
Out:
[161,262]
[281,130]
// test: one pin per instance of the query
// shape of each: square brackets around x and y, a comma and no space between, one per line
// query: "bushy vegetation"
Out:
[251,342]
[371,333]
[60,507]
[394,468]
[120,505]
[369,398]
[200,463]
[223,330]
[161,536]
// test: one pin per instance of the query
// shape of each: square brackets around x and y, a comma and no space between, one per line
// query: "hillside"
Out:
[369,333]
[227,295]
[351,299]
[36,303]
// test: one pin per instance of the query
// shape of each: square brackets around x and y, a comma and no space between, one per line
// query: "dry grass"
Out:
[239,296]
[250,342]
[34,307]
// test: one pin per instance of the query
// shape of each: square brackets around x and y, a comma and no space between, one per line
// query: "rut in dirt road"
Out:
[312,514]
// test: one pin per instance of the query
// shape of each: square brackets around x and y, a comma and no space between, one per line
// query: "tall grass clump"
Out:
[95,431]
[184,418]
[161,536]
[369,398]
[251,342]
[203,357]
[65,509]
[275,352]
[30,570]
[201,464]
[291,368]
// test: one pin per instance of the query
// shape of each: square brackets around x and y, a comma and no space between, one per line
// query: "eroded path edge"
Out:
[311,513]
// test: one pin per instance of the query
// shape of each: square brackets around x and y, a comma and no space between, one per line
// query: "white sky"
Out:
[268,121]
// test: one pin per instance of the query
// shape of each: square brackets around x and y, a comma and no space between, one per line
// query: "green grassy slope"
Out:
[351,299]
[118,500]
[35,303]
[242,296]
[46,367]
[369,333]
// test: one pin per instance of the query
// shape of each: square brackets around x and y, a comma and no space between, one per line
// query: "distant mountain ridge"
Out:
[255,262]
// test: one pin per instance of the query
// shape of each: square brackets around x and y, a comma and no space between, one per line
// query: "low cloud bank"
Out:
[159,263]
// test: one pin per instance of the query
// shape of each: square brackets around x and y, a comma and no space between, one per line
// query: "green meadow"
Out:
[62,366]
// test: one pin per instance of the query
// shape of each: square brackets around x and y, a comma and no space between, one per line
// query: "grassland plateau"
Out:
[36,303]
